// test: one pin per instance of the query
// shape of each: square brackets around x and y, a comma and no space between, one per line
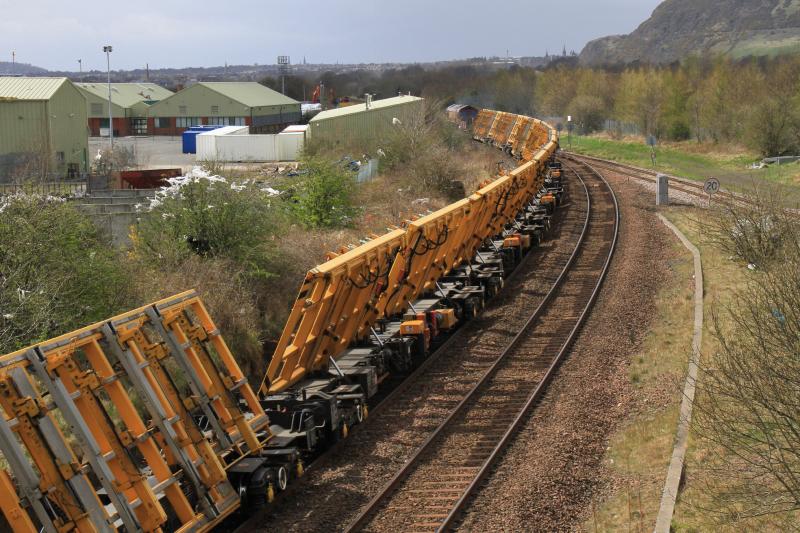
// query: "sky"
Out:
[54,34]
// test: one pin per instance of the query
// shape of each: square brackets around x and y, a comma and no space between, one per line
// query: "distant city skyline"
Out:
[177,33]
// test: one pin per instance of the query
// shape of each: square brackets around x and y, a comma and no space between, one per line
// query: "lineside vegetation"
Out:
[754,101]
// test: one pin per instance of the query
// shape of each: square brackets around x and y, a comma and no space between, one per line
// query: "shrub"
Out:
[680,131]
[224,287]
[427,149]
[589,113]
[770,127]
[762,231]
[747,416]
[219,237]
[56,272]
[323,198]
[205,215]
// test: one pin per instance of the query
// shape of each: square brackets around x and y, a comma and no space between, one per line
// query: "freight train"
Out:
[144,422]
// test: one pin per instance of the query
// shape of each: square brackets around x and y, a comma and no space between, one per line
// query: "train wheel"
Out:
[283,478]
[360,413]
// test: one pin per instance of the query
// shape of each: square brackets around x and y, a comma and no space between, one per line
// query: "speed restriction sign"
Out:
[711,186]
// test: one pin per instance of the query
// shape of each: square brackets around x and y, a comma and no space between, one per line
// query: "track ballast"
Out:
[430,490]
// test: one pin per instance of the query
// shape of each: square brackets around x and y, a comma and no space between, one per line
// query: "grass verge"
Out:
[687,159]
[639,453]
[695,507]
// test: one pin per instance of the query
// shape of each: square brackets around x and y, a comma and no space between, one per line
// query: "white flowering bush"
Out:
[207,215]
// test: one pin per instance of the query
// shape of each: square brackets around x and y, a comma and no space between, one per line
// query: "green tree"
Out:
[675,115]
[57,273]
[514,91]
[555,89]
[588,112]
[640,99]
[769,127]
[324,197]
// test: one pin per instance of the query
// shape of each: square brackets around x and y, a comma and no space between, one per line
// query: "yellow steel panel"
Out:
[91,374]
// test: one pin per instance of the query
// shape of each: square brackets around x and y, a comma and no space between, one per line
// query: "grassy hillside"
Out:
[687,159]
[679,28]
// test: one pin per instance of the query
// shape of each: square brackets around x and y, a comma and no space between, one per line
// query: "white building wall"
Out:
[234,146]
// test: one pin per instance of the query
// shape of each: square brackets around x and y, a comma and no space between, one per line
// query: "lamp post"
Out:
[108,50]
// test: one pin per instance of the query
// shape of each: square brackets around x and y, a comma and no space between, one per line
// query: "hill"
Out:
[678,28]
[20,69]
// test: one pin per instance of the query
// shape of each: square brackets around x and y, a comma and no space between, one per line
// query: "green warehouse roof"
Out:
[14,88]
[249,93]
[127,94]
[360,108]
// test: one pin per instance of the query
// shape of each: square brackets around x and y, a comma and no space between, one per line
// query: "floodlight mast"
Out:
[108,49]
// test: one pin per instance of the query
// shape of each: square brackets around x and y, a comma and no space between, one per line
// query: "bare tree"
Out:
[748,413]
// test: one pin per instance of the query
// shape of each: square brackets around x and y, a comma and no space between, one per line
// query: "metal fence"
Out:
[51,188]
[367,171]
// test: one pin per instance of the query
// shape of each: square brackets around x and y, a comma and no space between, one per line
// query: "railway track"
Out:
[435,483]
[690,187]
[353,471]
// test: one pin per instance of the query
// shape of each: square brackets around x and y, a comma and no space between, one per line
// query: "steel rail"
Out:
[321,460]
[388,489]
[690,187]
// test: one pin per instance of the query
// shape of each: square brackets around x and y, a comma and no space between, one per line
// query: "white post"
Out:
[108,50]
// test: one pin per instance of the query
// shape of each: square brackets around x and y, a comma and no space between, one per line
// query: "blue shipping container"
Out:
[189,137]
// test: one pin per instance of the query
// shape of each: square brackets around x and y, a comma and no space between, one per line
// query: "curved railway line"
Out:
[435,484]
[692,188]
[376,449]
[407,303]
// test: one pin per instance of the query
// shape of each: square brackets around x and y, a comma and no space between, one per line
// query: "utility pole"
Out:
[13,59]
[80,66]
[108,49]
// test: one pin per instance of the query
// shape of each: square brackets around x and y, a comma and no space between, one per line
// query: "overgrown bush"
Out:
[762,231]
[205,215]
[56,273]
[771,127]
[588,113]
[679,131]
[219,237]
[227,292]
[323,196]
[749,406]
[426,147]
[747,410]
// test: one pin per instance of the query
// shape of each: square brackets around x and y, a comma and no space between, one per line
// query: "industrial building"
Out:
[129,105]
[42,128]
[224,104]
[371,120]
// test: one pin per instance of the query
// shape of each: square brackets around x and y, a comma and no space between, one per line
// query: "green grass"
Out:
[768,44]
[686,160]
